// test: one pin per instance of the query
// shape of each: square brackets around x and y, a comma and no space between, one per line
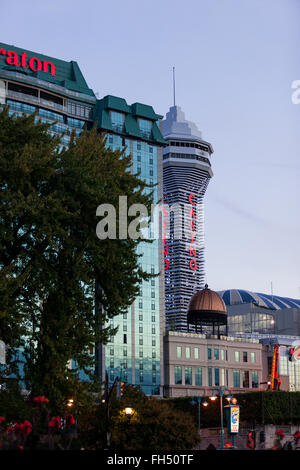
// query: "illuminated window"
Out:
[209,354]
[178,352]
[237,356]
[216,354]
[252,357]
[196,353]
[188,352]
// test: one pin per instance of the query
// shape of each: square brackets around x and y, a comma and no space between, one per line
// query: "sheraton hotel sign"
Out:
[22,60]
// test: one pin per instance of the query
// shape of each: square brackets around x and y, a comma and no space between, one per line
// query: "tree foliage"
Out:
[50,256]
[154,425]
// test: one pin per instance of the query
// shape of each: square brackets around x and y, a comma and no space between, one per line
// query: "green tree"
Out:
[50,256]
[154,425]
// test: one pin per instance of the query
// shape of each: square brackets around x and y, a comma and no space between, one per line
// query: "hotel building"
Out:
[57,91]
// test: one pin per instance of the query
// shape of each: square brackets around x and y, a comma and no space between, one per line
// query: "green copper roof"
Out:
[67,74]
[131,115]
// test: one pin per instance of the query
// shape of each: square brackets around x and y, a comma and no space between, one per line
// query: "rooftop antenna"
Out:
[174,86]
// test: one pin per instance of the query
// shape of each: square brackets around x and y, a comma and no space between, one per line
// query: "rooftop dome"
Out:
[207,300]
[207,308]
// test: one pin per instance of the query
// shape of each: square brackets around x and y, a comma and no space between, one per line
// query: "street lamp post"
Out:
[193,402]
[221,391]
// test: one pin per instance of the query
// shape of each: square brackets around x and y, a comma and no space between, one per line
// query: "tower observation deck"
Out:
[186,174]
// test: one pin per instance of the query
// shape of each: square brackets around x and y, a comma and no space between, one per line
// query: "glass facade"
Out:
[251,323]
[143,319]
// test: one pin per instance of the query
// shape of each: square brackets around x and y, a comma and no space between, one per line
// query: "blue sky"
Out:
[235,62]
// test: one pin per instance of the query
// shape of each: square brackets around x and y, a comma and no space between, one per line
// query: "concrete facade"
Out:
[206,362]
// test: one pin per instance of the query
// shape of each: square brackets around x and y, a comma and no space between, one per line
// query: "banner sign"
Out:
[233,418]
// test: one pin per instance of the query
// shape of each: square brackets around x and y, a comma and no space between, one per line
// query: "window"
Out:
[236,378]
[208,353]
[145,127]
[141,329]
[210,377]
[153,342]
[217,377]
[140,317]
[254,376]
[117,121]
[245,379]
[125,352]
[153,318]
[178,375]
[198,376]
[252,357]
[153,354]
[125,338]
[178,352]
[188,376]
[216,354]
[188,352]
[124,326]
[154,366]
[237,356]
[153,306]
[141,365]
[153,330]
[112,363]
[196,353]
[245,356]
[141,377]
[111,351]
[140,340]
[222,354]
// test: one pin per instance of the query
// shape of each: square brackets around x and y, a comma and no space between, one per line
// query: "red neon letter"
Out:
[193,264]
[190,199]
[12,58]
[3,52]
[52,67]
[166,250]
[38,62]
[166,264]
[23,60]
[193,251]
[192,213]
[192,225]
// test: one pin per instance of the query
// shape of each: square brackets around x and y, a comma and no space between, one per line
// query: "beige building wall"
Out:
[230,356]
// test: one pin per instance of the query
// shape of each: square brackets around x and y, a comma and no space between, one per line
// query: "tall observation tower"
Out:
[186,174]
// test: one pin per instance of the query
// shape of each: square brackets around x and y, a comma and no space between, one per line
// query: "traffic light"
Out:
[251,440]
[122,384]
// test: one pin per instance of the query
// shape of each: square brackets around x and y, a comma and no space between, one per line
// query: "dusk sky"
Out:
[235,63]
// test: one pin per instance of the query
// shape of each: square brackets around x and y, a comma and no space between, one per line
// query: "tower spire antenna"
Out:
[174,86]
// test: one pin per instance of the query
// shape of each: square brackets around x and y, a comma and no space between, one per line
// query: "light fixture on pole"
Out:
[193,402]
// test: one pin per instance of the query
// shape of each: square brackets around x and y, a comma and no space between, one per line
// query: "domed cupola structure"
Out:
[207,309]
